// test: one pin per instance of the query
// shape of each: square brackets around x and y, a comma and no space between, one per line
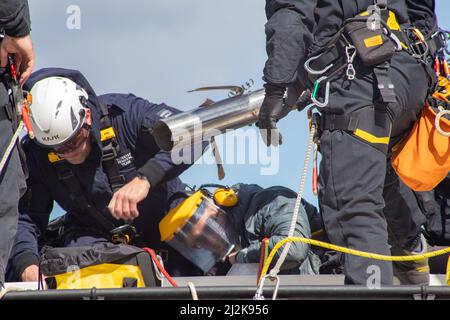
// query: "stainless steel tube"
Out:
[205,122]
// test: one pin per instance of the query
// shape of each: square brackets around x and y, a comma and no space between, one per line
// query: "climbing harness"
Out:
[21,101]
[374,47]
[110,150]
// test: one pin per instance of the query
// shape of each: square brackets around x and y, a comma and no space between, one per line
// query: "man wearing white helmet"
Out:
[96,157]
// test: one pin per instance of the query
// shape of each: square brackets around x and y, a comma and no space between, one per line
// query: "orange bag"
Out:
[422,160]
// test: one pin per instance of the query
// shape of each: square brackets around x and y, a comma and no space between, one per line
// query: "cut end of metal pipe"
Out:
[163,136]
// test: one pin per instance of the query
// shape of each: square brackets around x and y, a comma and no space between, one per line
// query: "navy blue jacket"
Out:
[132,118]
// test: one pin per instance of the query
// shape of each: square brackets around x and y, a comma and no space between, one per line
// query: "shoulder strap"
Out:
[66,176]
[147,269]
[385,85]
[110,148]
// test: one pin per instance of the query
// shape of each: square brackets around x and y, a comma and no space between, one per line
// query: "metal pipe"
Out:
[203,123]
[241,292]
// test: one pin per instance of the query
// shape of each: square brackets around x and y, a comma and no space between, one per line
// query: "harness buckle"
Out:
[418,45]
[109,154]
[124,234]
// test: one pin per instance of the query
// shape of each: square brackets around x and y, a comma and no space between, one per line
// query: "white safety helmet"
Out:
[57,111]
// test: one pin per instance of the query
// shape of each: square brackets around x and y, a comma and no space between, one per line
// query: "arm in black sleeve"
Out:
[165,165]
[15,17]
[422,15]
[34,212]
[289,34]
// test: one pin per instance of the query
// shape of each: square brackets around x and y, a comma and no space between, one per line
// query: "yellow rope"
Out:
[348,251]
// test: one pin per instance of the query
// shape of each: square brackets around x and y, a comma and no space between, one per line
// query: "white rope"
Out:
[192,290]
[10,147]
[276,269]
[4,291]
[442,112]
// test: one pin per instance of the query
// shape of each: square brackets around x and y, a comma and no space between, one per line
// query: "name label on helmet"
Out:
[50,138]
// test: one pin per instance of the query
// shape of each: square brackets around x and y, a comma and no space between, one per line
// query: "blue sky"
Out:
[160,49]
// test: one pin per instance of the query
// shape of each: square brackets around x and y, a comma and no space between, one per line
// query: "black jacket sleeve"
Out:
[422,14]
[34,212]
[15,17]
[163,166]
[289,34]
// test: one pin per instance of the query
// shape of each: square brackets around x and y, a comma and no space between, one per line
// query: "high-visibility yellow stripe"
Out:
[370,137]
[107,134]
[447,276]
[104,275]
[53,157]
[373,41]
[423,269]
[392,21]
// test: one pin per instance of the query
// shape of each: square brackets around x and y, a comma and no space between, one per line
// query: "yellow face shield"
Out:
[200,230]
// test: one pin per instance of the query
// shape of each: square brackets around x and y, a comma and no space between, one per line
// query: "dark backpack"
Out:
[104,265]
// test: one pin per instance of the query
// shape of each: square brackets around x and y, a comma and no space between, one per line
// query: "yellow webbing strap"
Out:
[447,278]
[370,137]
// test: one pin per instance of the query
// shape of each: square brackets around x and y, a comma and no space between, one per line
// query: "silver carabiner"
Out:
[350,57]
[316,72]
[442,112]
[396,41]
[259,292]
[351,73]
[327,93]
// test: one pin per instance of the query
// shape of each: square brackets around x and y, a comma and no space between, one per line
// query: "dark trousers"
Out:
[364,204]
[12,186]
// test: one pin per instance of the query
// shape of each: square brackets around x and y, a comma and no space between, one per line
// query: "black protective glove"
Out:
[271,111]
